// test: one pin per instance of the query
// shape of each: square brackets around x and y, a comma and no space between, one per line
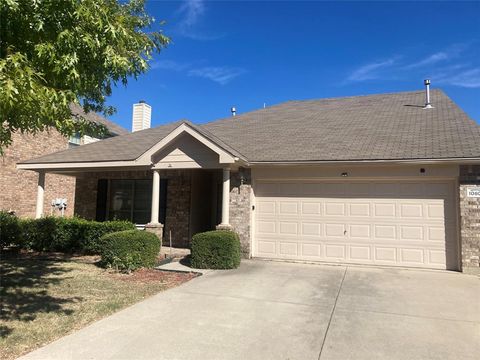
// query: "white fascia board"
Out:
[459,161]
[79,165]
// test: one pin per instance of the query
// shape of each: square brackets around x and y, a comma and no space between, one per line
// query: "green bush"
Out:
[67,234]
[129,250]
[9,229]
[216,250]
[95,230]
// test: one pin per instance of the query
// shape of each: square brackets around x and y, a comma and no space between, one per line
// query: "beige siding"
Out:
[186,152]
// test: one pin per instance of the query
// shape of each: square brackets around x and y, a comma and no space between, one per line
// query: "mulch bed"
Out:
[169,278]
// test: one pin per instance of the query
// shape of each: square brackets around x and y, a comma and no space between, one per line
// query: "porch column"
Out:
[155,197]
[226,198]
[40,195]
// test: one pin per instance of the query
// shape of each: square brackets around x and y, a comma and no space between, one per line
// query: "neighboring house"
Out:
[376,180]
[18,189]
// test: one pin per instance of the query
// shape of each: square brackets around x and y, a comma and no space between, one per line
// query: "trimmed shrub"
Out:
[39,234]
[67,234]
[217,249]
[129,250]
[9,229]
[94,231]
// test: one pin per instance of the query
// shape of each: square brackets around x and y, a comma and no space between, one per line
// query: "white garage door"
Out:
[384,223]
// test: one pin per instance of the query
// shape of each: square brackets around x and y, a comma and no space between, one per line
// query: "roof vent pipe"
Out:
[233,110]
[428,105]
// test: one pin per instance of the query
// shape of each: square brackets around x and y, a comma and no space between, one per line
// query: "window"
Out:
[129,199]
[74,140]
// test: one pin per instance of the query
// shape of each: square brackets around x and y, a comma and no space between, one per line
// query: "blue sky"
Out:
[245,54]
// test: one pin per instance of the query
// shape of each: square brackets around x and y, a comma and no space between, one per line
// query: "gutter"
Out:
[463,161]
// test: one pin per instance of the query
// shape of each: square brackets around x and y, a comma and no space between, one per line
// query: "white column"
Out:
[226,197]
[155,197]
[40,195]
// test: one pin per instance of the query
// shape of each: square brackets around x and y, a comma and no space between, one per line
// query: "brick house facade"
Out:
[470,219]
[18,189]
[180,203]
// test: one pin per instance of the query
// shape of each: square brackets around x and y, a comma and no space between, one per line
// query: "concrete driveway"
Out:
[273,310]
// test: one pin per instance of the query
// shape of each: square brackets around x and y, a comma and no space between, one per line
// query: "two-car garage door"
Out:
[370,222]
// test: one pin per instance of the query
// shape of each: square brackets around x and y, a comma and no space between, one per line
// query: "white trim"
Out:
[225,197]
[462,161]
[79,165]
[224,157]
[40,195]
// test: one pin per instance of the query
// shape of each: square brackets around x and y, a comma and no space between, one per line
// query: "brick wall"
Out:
[18,188]
[240,191]
[178,199]
[470,219]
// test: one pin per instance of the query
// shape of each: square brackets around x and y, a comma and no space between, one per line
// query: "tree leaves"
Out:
[57,52]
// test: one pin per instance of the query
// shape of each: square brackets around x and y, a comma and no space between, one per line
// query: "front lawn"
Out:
[44,298]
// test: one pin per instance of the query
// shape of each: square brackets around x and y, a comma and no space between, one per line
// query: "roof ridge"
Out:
[321,100]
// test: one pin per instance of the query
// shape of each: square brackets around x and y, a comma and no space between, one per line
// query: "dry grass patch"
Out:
[44,298]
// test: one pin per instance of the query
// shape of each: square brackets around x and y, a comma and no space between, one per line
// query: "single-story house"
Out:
[377,180]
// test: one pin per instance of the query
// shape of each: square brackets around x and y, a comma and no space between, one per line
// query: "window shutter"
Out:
[102,190]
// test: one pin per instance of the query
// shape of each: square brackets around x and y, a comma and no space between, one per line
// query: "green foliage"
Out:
[129,250]
[93,233]
[216,250]
[9,229]
[57,52]
[67,234]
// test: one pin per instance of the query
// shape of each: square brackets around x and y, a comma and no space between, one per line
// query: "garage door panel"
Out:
[360,253]
[311,229]
[266,248]
[335,230]
[359,209]
[310,250]
[370,223]
[288,248]
[311,208]
[359,231]
[411,232]
[335,251]
[385,254]
[334,208]
[387,232]
[413,256]
[288,228]
[385,209]
[266,227]
[411,210]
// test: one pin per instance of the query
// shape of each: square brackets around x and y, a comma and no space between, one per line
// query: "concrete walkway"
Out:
[272,310]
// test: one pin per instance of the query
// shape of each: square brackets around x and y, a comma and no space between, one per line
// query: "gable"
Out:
[185,152]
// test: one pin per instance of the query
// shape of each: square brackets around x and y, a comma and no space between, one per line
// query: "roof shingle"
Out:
[374,127]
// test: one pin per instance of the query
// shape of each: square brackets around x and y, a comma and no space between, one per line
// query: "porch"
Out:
[180,186]
[172,203]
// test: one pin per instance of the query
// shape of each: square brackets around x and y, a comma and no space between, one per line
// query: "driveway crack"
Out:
[333,312]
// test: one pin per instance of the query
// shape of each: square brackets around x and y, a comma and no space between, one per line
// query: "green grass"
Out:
[43,299]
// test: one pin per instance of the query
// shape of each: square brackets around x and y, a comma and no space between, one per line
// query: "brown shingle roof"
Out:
[374,127]
[113,128]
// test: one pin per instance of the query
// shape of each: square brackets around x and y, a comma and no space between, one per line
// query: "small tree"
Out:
[57,52]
